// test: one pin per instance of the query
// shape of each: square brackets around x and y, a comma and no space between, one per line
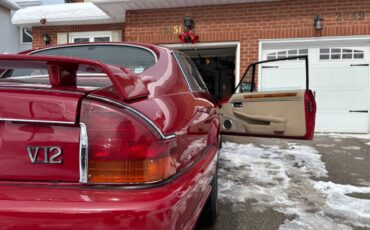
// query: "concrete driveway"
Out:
[269,183]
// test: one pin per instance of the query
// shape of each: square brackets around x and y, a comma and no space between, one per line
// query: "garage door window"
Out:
[341,54]
[286,53]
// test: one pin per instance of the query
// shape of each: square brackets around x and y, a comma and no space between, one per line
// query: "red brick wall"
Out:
[250,22]
[37,32]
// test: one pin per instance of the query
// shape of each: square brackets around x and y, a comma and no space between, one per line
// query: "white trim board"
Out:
[314,42]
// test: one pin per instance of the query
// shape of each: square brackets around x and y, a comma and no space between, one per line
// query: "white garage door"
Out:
[338,75]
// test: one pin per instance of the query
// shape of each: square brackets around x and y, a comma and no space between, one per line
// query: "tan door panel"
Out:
[265,113]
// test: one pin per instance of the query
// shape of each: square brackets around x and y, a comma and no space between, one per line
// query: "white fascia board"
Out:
[62,14]
[9,4]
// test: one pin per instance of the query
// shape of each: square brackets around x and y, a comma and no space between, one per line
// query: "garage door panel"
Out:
[340,75]
[332,121]
[283,78]
[343,99]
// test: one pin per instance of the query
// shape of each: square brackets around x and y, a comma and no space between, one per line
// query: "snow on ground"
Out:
[345,135]
[351,148]
[287,179]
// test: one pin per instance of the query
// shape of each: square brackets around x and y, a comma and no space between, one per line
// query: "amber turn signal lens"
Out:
[131,171]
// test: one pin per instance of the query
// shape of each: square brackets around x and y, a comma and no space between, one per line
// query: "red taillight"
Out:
[123,148]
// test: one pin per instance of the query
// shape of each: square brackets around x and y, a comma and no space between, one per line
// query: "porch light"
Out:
[188,36]
[317,23]
[188,23]
[46,38]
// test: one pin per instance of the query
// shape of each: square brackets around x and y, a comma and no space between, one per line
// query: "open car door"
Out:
[287,113]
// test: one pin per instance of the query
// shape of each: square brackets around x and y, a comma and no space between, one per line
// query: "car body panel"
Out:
[60,196]
[172,205]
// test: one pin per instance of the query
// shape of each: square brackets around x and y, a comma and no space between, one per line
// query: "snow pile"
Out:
[338,204]
[282,179]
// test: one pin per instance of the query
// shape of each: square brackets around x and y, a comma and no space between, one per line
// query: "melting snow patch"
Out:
[325,145]
[281,179]
[351,148]
[344,135]
[368,143]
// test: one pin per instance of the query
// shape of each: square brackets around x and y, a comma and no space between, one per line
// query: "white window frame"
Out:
[90,35]
[21,37]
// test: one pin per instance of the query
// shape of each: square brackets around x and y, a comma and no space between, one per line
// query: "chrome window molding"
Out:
[40,89]
[184,74]
[38,121]
[145,118]
[182,71]
[83,153]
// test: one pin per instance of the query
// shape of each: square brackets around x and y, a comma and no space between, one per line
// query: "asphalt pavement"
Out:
[346,159]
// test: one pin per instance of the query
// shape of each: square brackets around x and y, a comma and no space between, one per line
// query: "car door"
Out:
[285,113]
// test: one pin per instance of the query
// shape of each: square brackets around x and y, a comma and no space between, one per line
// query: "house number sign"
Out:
[350,16]
[176,29]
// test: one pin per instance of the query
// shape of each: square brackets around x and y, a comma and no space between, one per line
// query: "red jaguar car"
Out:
[123,136]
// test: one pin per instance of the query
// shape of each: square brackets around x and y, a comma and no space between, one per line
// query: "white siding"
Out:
[5,32]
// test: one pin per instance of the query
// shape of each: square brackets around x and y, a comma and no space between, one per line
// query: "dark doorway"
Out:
[217,67]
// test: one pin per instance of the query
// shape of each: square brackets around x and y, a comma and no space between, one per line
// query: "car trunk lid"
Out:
[40,131]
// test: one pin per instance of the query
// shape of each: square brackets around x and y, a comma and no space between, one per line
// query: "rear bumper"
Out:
[175,205]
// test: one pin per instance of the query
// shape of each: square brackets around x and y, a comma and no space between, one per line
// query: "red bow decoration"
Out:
[188,37]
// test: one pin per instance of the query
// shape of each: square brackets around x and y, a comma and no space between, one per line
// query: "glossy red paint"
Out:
[310,113]
[175,205]
[63,72]
[50,196]
[163,119]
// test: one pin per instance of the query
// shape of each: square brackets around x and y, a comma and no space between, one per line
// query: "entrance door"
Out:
[217,68]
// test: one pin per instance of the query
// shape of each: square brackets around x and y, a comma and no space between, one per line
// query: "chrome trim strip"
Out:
[38,121]
[99,44]
[83,154]
[182,70]
[161,134]
[39,89]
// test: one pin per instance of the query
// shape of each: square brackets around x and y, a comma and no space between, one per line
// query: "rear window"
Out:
[136,58]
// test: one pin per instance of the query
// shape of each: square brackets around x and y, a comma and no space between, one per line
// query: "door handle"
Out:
[237,104]
[359,65]
[359,111]
[270,67]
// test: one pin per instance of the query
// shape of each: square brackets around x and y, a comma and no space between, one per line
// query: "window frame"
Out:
[90,35]
[353,51]
[202,85]
[21,36]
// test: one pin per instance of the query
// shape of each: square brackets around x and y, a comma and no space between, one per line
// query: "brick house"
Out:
[234,33]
